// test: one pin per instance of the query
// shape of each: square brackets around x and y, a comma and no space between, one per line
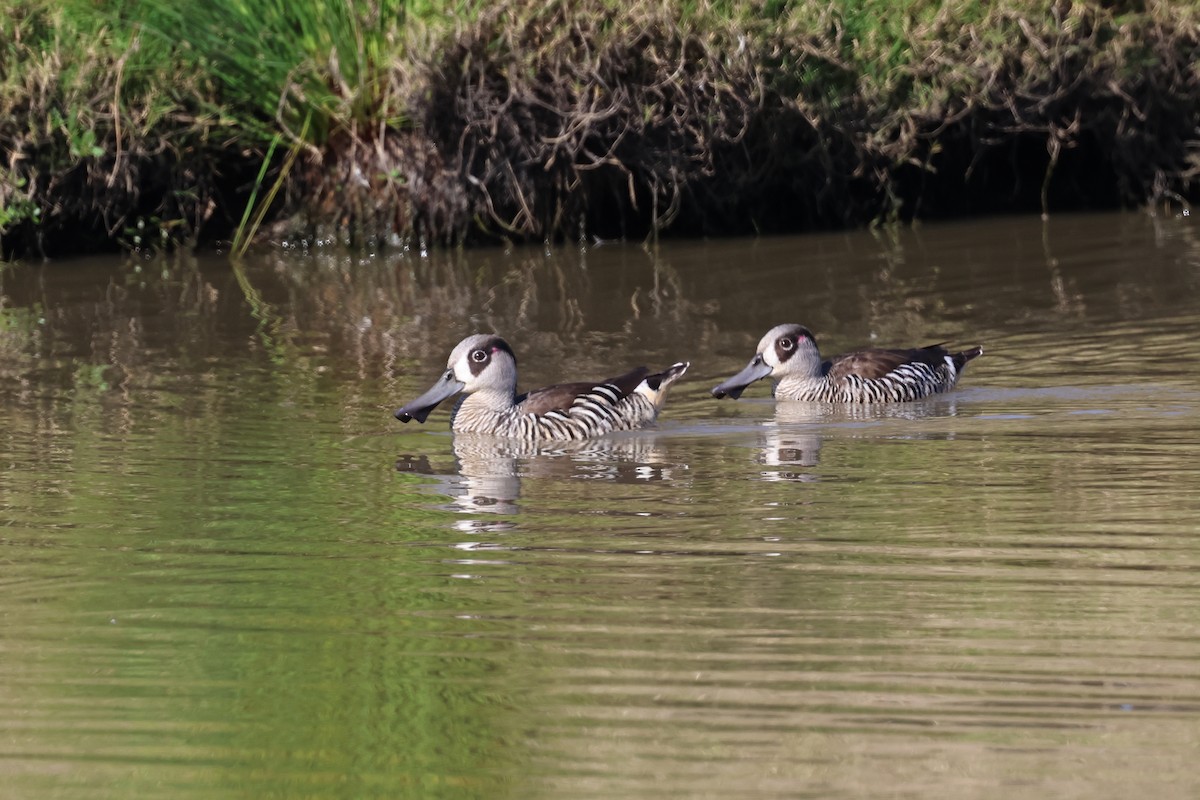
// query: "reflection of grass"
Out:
[272,603]
[224,534]
[270,325]
[18,328]
[17,321]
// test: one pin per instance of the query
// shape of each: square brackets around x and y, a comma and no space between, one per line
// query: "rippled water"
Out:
[225,570]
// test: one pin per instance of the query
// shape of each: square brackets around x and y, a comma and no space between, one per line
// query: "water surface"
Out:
[227,571]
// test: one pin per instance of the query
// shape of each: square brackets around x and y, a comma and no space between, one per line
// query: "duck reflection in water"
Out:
[489,469]
[555,430]
[790,443]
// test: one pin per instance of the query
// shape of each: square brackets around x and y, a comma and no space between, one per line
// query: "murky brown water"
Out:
[225,570]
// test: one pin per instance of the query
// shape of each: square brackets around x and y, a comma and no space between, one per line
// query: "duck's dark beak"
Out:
[757,369]
[420,408]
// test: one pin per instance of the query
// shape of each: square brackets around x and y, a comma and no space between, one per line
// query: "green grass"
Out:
[161,112]
[271,64]
[83,84]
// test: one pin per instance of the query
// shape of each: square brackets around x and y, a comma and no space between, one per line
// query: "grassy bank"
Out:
[140,122]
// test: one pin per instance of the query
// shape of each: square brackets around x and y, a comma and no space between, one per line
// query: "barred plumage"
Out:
[788,354]
[484,369]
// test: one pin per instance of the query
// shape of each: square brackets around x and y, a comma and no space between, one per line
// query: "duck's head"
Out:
[482,362]
[786,349]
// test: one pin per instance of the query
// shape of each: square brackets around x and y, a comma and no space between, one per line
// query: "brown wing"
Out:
[560,396]
[875,363]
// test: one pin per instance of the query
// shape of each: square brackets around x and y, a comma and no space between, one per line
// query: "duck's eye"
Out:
[479,356]
[786,344]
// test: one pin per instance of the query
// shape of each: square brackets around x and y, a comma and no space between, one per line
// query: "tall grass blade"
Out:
[242,237]
[246,236]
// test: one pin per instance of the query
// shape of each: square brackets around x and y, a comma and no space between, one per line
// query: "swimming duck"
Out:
[484,368]
[788,354]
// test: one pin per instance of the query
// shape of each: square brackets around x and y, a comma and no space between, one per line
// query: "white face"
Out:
[483,361]
[479,362]
[785,351]
[780,343]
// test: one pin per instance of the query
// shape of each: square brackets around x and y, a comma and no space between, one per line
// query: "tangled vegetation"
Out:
[397,121]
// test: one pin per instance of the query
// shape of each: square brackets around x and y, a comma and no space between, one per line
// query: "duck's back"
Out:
[580,410]
[877,375]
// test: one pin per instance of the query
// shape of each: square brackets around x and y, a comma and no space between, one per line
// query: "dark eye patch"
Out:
[479,358]
[478,361]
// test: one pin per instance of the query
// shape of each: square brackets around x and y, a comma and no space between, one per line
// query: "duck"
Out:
[483,368]
[788,355]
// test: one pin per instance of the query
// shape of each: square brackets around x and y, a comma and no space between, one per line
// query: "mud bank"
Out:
[528,122]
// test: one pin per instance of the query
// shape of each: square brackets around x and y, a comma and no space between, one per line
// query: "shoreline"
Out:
[522,122]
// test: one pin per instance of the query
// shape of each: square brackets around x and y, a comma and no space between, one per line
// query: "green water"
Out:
[226,571]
